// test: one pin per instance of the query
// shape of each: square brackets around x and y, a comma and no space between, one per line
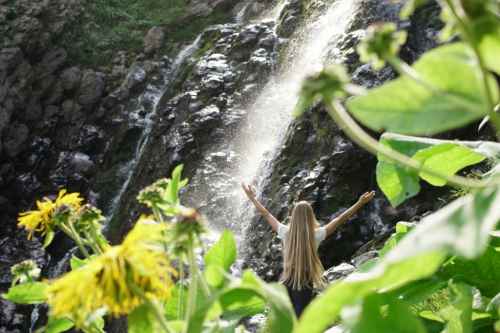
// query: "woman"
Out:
[302,269]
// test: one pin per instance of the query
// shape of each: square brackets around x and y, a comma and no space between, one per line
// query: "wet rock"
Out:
[136,77]
[70,78]
[10,58]
[205,118]
[71,170]
[364,257]
[52,61]
[289,18]
[15,140]
[154,40]
[91,87]
[338,272]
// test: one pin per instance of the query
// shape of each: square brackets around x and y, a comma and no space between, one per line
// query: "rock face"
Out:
[200,105]
[109,133]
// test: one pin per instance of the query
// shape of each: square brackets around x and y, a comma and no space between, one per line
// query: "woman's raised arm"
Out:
[271,220]
[344,217]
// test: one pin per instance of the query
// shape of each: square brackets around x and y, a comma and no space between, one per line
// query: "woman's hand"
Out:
[366,197]
[249,191]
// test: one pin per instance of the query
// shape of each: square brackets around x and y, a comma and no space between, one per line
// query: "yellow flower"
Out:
[119,280]
[41,220]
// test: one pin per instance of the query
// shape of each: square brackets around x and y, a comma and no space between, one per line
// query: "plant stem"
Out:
[358,135]
[159,315]
[68,230]
[153,306]
[483,72]
[193,288]
[181,289]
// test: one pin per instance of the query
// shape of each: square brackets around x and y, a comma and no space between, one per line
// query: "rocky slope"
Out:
[109,132]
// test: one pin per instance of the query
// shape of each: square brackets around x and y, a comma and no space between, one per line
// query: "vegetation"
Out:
[109,26]
[442,275]
[438,276]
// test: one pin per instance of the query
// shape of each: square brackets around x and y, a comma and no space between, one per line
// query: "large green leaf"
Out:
[281,316]
[409,107]
[241,302]
[142,320]
[447,159]
[460,228]
[378,315]
[58,325]
[487,35]
[27,293]
[398,182]
[386,275]
[482,273]
[219,258]
[176,305]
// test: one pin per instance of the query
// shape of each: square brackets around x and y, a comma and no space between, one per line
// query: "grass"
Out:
[112,25]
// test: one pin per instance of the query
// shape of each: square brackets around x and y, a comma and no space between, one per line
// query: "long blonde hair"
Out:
[302,267]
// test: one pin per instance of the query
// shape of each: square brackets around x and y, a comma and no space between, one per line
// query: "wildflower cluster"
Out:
[42,220]
[25,271]
[382,42]
[117,281]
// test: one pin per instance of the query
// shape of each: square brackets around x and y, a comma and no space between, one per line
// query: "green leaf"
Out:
[397,182]
[57,325]
[407,106]
[76,262]
[487,35]
[176,305]
[447,159]
[49,237]
[482,272]
[142,320]
[174,185]
[386,275]
[460,228]
[27,293]
[400,183]
[241,302]
[458,315]
[418,291]
[220,257]
[378,316]
[402,228]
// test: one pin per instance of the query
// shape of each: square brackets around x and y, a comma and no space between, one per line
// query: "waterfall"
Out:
[152,95]
[215,188]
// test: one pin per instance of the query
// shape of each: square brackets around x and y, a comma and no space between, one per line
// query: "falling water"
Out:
[153,95]
[215,188]
[270,114]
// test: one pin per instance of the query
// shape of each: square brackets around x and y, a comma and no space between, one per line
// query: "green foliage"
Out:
[400,183]
[379,315]
[451,96]
[109,26]
[27,293]
[219,259]
[461,228]
[458,314]
[482,272]
[58,325]
[383,41]
[142,320]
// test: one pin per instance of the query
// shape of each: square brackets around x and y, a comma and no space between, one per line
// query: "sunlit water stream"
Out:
[215,188]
